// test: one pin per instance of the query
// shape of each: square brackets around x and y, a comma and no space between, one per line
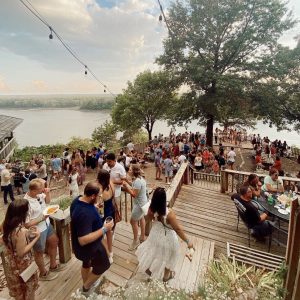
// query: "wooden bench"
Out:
[254,257]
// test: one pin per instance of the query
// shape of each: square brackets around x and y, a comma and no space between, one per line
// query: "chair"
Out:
[241,214]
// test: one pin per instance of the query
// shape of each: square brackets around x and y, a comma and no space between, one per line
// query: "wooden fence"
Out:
[231,179]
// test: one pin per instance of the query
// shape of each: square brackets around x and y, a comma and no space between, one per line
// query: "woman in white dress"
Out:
[73,183]
[157,256]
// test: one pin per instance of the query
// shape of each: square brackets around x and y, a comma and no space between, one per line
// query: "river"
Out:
[51,126]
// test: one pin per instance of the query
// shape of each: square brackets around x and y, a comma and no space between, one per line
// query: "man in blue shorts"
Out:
[87,231]
[38,196]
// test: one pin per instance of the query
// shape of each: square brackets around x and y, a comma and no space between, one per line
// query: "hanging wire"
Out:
[31,8]
[163,16]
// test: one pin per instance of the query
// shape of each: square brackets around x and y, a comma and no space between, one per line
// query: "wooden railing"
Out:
[8,149]
[205,180]
[230,179]
[292,282]
[181,177]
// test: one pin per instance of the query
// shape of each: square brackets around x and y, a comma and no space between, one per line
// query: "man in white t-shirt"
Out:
[38,196]
[231,158]
[6,186]
[117,174]
[181,158]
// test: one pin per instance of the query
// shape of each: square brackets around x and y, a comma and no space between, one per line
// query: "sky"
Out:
[117,39]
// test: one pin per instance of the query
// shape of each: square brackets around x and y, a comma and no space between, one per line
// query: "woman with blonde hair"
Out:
[138,191]
[18,243]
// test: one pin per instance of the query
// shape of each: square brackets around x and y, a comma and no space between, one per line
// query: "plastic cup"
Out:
[109,219]
[31,234]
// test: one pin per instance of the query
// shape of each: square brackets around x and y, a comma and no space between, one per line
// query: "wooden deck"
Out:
[188,273]
[212,216]
[69,280]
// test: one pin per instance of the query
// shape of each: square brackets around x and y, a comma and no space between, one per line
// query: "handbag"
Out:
[145,208]
[29,271]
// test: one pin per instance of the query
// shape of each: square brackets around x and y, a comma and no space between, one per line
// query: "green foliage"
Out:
[63,201]
[213,48]
[89,102]
[144,101]
[105,134]
[135,136]
[26,153]
[226,279]
[279,79]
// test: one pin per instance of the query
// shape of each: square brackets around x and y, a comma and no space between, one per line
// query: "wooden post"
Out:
[293,261]
[296,292]
[224,181]
[62,225]
[186,176]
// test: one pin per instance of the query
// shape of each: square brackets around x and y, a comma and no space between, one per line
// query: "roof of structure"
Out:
[7,125]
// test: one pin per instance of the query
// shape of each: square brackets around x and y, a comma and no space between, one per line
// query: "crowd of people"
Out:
[27,232]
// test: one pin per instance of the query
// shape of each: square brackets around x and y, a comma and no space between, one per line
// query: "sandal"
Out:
[171,276]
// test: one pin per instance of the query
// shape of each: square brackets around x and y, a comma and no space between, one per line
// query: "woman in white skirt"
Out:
[157,256]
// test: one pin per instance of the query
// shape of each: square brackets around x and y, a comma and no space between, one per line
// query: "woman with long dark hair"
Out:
[107,200]
[157,256]
[18,247]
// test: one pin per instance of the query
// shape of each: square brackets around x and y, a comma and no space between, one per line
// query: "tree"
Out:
[279,79]
[106,134]
[144,101]
[213,47]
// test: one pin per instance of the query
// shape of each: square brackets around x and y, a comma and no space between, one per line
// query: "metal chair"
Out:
[241,214]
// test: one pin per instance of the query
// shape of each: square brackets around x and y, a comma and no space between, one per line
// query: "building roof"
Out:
[7,125]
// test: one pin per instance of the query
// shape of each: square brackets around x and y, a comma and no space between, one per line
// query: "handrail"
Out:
[230,178]
[181,177]
[7,148]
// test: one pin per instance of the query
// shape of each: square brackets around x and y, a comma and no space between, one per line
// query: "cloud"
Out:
[40,85]
[3,85]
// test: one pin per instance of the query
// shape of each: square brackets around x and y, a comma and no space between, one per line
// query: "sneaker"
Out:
[134,245]
[48,276]
[110,258]
[91,289]
[58,268]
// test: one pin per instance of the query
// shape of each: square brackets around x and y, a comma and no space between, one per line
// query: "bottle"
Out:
[270,199]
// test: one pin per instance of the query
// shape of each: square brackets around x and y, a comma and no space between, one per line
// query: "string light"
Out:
[50,35]
[31,8]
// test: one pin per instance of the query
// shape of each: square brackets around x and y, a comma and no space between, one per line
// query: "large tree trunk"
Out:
[149,134]
[209,131]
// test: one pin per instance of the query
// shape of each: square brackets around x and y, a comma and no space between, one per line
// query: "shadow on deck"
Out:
[212,216]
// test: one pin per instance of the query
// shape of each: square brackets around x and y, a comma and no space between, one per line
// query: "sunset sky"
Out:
[117,39]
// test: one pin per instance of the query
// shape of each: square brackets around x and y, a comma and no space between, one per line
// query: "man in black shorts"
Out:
[87,231]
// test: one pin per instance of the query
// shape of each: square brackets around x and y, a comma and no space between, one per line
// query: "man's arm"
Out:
[93,236]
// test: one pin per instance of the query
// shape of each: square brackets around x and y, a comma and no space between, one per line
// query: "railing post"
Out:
[293,261]
[296,292]
[186,176]
[63,233]
[224,181]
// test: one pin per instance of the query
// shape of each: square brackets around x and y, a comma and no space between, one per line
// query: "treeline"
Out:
[88,102]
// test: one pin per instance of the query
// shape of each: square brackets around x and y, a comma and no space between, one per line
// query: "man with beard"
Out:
[87,231]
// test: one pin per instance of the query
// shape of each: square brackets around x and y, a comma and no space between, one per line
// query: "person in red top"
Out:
[277,164]
[258,160]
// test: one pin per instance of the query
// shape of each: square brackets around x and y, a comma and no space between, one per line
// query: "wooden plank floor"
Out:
[69,280]
[189,274]
[212,216]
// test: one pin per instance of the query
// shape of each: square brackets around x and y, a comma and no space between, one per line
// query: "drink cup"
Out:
[31,233]
[109,219]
